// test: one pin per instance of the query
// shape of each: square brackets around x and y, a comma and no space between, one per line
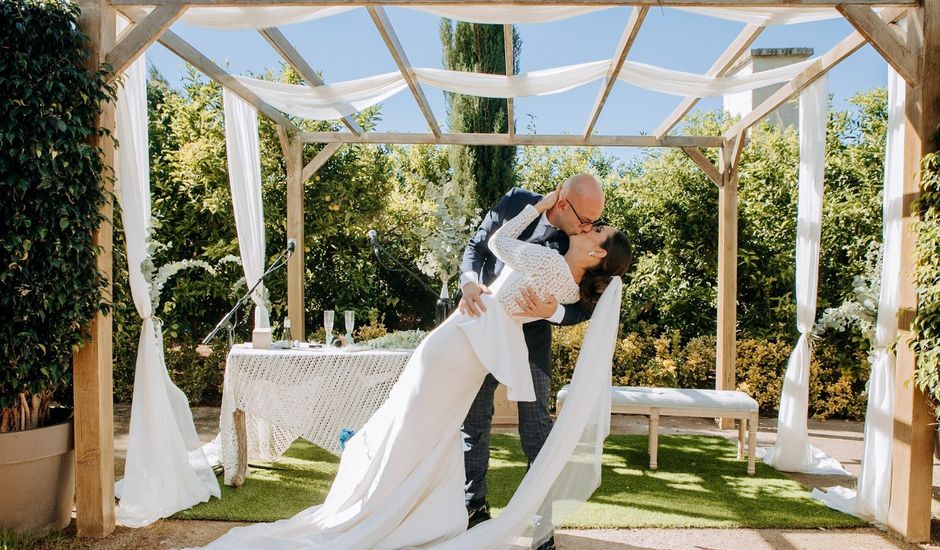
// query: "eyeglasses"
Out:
[584,221]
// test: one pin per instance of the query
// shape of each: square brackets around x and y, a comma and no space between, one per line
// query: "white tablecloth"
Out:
[312,394]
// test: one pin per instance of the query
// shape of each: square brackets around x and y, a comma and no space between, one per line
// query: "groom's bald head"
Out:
[580,201]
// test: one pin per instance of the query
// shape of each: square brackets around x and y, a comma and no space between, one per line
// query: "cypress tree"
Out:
[472,47]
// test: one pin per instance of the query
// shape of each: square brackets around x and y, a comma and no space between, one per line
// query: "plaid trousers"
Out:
[535,423]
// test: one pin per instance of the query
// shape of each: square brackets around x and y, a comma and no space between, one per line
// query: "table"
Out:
[656,402]
[272,397]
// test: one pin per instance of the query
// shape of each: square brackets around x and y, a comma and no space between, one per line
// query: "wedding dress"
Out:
[400,482]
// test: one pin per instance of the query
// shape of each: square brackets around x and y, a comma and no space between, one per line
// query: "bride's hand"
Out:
[547,202]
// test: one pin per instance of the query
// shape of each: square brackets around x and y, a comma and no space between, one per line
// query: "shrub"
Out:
[760,368]
[197,370]
[51,182]
[697,367]
[837,381]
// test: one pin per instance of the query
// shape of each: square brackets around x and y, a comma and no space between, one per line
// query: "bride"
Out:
[400,482]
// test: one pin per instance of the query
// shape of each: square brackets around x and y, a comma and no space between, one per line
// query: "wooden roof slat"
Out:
[821,66]
[516,139]
[719,68]
[885,38]
[398,53]
[282,45]
[141,35]
[623,48]
[208,67]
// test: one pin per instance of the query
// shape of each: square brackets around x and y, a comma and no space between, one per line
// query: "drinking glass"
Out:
[350,317]
[328,325]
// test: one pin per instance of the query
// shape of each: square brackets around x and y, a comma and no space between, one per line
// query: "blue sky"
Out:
[347,46]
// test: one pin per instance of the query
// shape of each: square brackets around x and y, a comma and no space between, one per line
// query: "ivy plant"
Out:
[51,182]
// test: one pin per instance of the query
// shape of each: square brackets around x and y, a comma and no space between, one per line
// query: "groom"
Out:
[579,207]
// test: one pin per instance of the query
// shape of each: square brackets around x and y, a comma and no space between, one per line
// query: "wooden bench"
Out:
[656,402]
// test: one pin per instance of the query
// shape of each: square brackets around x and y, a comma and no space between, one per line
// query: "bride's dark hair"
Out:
[614,264]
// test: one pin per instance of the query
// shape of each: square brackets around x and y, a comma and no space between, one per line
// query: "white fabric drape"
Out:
[506,15]
[165,470]
[244,175]
[681,83]
[257,17]
[874,482]
[577,442]
[792,451]
[263,17]
[345,98]
[767,16]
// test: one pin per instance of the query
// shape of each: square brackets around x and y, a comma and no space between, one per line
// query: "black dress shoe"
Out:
[547,545]
[478,514]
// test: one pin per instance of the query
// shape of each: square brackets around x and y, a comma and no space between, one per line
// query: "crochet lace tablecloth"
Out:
[312,394]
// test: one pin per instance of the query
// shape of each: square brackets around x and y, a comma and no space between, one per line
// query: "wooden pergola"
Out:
[914,54]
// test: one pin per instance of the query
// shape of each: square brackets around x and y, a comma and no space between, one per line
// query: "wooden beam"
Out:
[516,139]
[208,67]
[282,45]
[727,269]
[706,165]
[623,48]
[295,231]
[510,70]
[817,68]
[885,38]
[92,364]
[385,29]
[652,3]
[142,35]
[719,68]
[909,513]
[319,160]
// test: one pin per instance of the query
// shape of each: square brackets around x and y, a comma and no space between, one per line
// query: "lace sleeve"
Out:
[519,255]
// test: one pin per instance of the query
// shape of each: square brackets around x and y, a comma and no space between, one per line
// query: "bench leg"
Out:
[742,423]
[654,438]
[751,443]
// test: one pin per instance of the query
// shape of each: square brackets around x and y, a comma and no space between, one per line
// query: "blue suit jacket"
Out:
[480,259]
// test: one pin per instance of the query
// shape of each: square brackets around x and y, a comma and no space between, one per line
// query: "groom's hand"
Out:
[531,305]
[470,303]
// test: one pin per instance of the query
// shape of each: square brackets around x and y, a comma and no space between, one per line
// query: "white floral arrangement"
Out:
[862,311]
[453,219]
[400,339]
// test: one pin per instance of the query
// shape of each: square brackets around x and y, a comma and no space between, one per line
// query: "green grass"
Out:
[699,483]
[17,541]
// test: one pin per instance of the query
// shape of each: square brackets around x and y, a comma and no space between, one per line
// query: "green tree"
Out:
[479,48]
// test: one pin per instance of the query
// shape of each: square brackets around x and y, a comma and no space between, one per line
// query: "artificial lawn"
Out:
[700,483]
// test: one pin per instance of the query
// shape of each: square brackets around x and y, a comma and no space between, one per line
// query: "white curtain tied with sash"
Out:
[874,482]
[792,451]
[166,470]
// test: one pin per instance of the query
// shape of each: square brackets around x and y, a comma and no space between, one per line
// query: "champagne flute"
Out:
[328,325]
[350,317]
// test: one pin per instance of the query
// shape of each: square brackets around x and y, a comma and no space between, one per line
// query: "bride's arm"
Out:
[520,255]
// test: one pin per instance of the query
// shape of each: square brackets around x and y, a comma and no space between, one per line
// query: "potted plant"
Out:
[50,287]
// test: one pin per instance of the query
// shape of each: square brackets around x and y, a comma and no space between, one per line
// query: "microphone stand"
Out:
[227,321]
[444,304]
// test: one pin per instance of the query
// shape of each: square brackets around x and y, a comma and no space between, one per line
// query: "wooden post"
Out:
[912,452]
[295,230]
[92,363]
[727,269]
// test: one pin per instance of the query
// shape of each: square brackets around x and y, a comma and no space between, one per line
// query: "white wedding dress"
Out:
[400,482]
